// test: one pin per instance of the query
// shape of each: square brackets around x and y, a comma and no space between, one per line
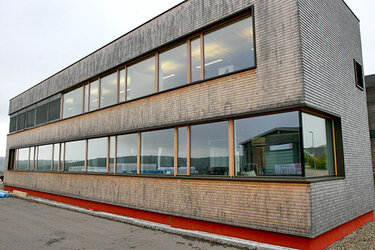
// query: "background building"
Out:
[370,89]
[245,118]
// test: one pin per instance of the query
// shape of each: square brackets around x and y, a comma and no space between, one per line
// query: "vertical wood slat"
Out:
[156,72]
[189,61]
[231,147]
[202,57]
[139,154]
[115,156]
[188,151]
[175,150]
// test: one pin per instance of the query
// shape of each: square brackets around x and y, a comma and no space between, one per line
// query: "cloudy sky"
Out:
[39,38]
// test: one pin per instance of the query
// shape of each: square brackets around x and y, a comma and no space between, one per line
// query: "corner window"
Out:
[318,145]
[358,75]
[229,48]
[268,145]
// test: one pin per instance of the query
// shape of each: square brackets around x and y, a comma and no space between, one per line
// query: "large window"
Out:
[108,90]
[141,79]
[229,48]
[157,152]
[127,151]
[209,149]
[23,159]
[173,67]
[97,155]
[75,155]
[72,104]
[94,95]
[44,158]
[268,145]
[317,145]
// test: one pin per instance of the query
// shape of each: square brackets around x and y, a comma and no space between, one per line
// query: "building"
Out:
[244,118]
[370,89]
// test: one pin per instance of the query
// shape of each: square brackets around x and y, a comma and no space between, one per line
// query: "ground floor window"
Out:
[299,143]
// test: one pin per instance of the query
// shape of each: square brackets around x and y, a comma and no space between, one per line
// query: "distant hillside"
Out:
[2,163]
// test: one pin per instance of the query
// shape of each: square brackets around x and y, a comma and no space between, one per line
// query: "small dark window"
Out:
[13,124]
[21,121]
[358,75]
[41,114]
[30,118]
[54,110]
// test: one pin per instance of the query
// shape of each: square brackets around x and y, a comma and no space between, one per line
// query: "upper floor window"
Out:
[72,103]
[141,79]
[358,75]
[108,90]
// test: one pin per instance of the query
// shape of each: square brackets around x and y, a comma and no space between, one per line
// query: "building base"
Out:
[319,242]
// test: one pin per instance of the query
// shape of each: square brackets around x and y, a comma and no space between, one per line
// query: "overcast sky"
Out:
[40,37]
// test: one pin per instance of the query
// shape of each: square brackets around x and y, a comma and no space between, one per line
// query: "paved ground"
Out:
[30,225]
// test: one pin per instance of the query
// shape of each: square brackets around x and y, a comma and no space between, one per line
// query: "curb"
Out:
[219,239]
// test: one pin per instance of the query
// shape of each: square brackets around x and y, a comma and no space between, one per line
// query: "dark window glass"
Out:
[30,118]
[94,95]
[56,156]
[112,153]
[173,67]
[75,154]
[54,110]
[317,145]
[121,97]
[23,159]
[97,155]
[21,121]
[358,74]
[229,48]
[13,124]
[108,90]
[141,79]
[195,47]
[42,114]
[44,158]
[268,145]
[127,151]
[182,150]
[209,149]
[157,152]
[73,103]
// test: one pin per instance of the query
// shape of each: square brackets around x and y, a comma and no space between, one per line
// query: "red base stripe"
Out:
[286,240]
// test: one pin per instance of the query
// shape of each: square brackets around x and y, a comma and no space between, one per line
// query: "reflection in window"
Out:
[229,48]
[173,67]
[195,47]
[182,150]
[56,156]
[75,156]
[112,153]
[86,99]
[268,145]
[157,152]
[44,158]
[317,145]
[94,95]
[32,158]
[127,151]
[72,103]
[121,93]
[23,159]
[97,155]
[209,149]
[108,90]
[141,79]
